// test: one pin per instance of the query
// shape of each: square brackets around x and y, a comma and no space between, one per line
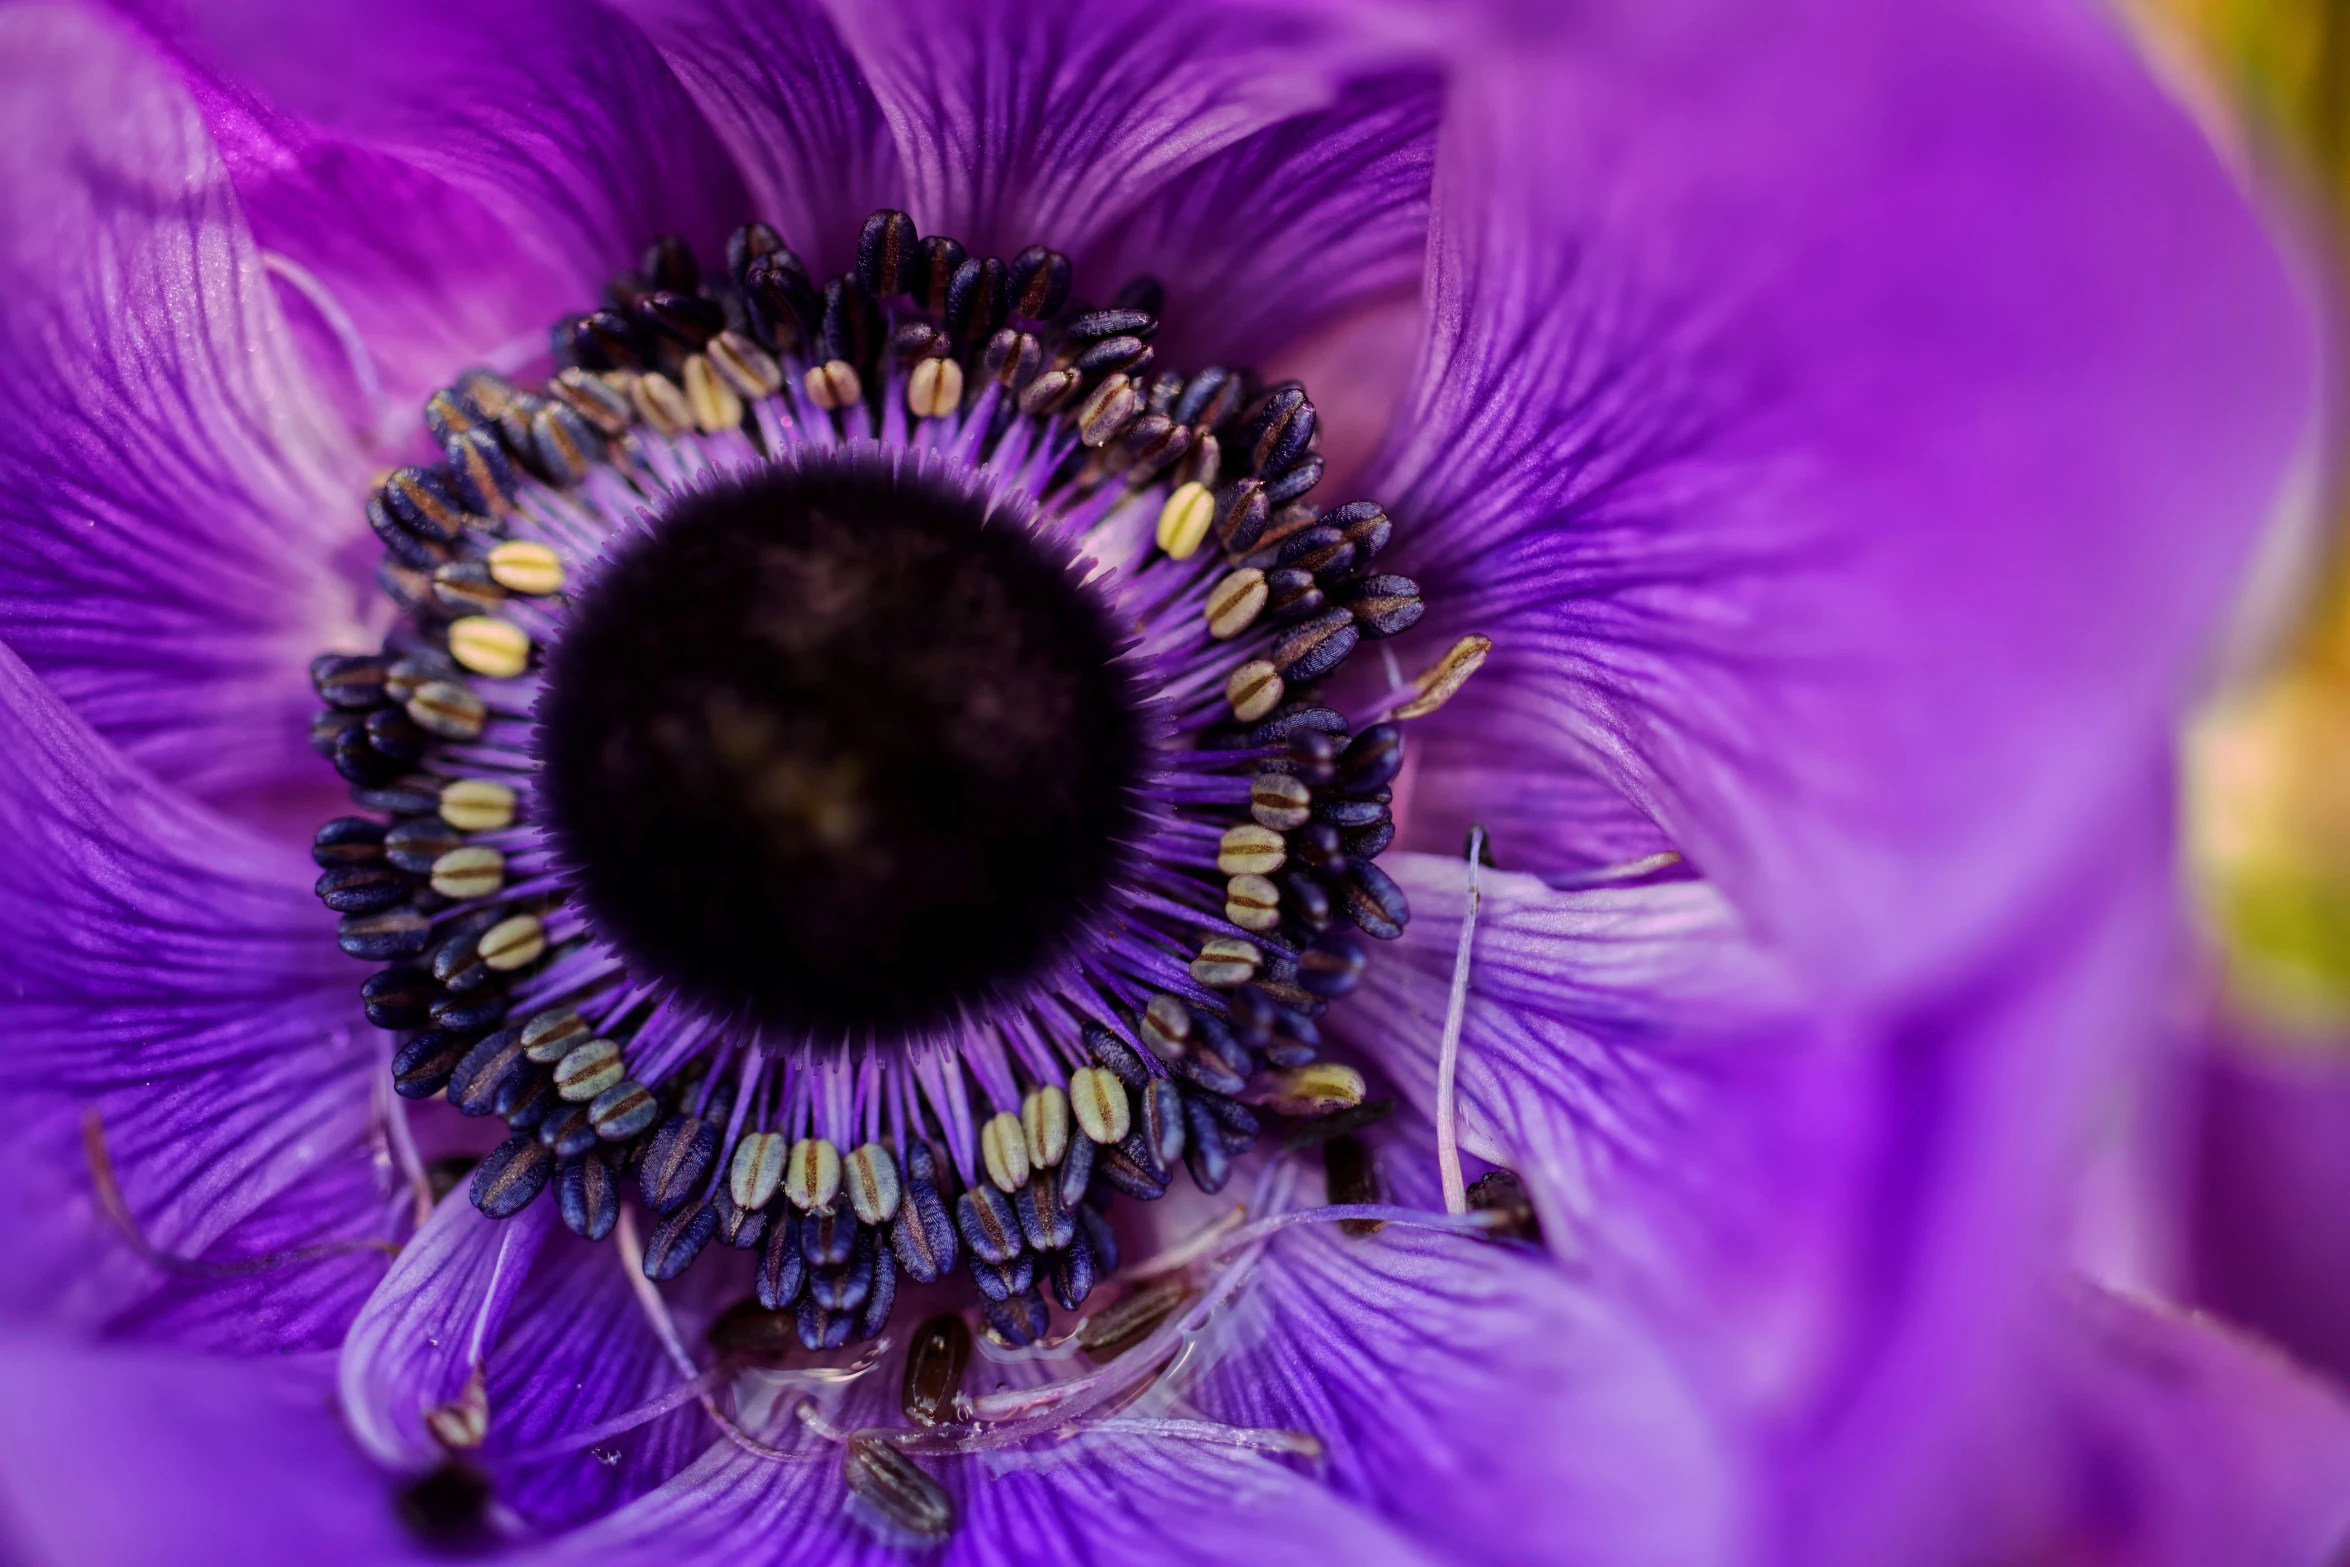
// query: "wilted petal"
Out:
[172,499]
[1847,427]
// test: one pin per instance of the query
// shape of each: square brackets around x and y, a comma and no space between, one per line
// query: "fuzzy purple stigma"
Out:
[841,747]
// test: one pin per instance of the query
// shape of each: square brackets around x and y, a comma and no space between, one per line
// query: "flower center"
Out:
[841,746]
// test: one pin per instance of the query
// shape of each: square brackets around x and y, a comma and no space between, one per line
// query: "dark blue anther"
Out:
[1122,1059]
[941,258]
[1372,760]
[394,736]
[422,1066]
[1204,1152]
[1311,549]
[821,1329]
[348,840]
[569,1132]
[1365,525]
[1095,1226]
[1280,429]
[360,762]
[852,327]
[515,1172]
[1305,900]
[739,1227]
[1332,966]
[1316,647]
[984,1217]
[362,889]
[398,997]
[1046,1224]
[1039,280]
[1293,482]
[888,248]
[828,1236]
[353,681]
[474,1085]
[1111,353]
[1131,1167]
[528,1098]
[747,244]
[1349,815]
[1208,398]
[880,1298]
[455,963]
[1371,842]
[598,340]
[469,1014]
[1235,1122]
[385,936]
[677,1240]
[923,1236]
[1073,1274]
[403,546]
[1206,1072]
[673,316]
[1241,514]
[424,502]
[1374,902]
[401,797]
[977,297]
[1277,729]
[590,1197]
[782,1270]
[1019,1320]
[562,445]
[1159,1122]
[1292,595]
[843,1288]
[669,263]
[997,1280]
[1385,605]
[480,473]
[676,1159]
[1076,1170]
[786,306]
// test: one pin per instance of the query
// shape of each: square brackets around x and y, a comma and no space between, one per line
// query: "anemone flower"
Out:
[965,920]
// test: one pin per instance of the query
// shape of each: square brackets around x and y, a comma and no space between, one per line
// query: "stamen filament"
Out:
[1448,1053]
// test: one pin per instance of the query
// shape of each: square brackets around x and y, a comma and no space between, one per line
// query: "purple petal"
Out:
[563,122]
[1025,121]
[1848,429]
[165,970]
[1299,224]
[784,95]
[124,1458]
[173,499]
[1481,1400]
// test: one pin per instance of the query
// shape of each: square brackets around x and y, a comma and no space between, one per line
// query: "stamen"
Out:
[1448,1050]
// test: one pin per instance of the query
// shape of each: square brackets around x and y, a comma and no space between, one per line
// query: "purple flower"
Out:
[895,765]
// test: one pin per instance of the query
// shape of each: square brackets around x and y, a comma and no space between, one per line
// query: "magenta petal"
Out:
[1042,121]
[783,93]
[172,499]
[125,1458]
[1848,427]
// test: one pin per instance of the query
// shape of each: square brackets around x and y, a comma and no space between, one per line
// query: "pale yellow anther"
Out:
[513,942]
[1251,850]
[1097,1102]
[1225,963]
[660,404]
[462,1424]
[1252,903]
[1044,1117]
[757,1169]
[1003,1147]
[1317,1088]
[476,805]
[448,709]
[489,646]
[812,1177]
[715,405]
[747,367]
[1254,690]
[474,871]
[1234,603]
[1447,675]
[934,389]
[833,384]
[871,1176]
[587,1069]
[1184,519]
[1166,1026]
[526,566]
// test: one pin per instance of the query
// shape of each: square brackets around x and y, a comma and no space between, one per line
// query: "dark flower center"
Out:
[840,746]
